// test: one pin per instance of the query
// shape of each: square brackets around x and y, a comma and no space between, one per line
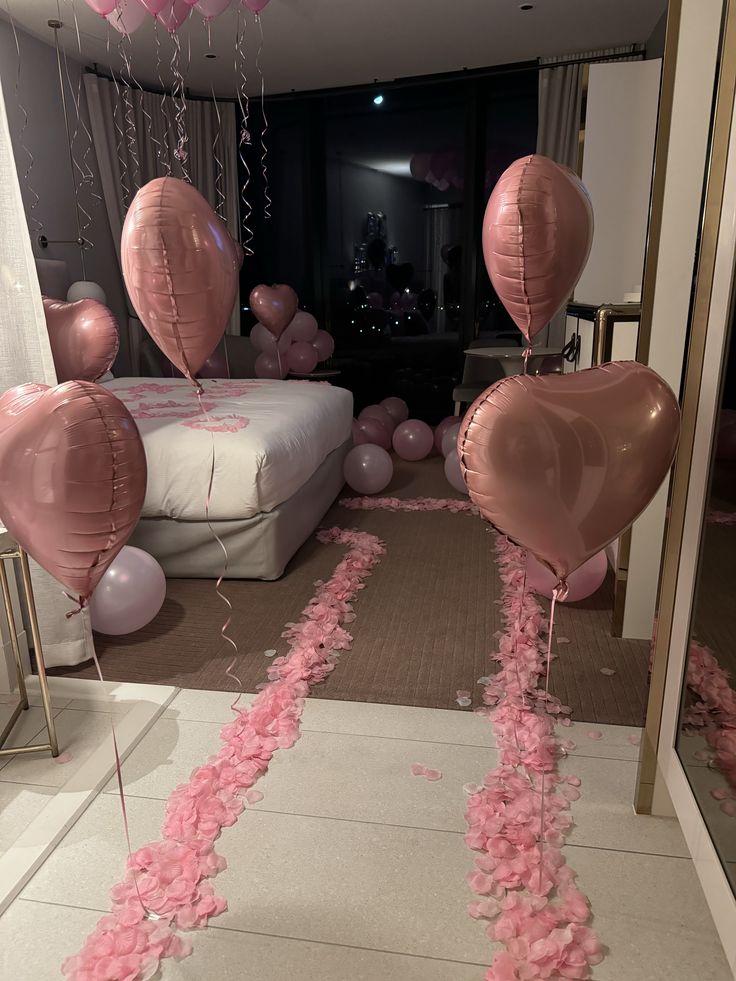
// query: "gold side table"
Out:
[9,550]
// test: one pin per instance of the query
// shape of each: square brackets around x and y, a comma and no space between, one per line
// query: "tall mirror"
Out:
[706,741]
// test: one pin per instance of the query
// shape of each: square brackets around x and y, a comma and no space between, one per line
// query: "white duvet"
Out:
[269,438]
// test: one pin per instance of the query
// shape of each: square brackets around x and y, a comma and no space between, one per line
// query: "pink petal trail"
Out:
[169,878]
[529,893]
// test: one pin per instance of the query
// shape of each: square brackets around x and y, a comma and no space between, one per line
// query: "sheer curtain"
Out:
[560,122]
[25,356]
[130,154]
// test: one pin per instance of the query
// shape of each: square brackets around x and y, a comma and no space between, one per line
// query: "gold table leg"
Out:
[52,744]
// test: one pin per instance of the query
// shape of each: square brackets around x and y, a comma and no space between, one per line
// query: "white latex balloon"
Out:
[86,290]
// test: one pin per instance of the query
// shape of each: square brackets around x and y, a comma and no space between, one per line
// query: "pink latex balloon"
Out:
[211,8]
[368,469]
[371,431]
[453,472]
[255,5]
[275,306]
[563,464]
[174,14]
[413,439]
[537,233]
[381,414]
[178,270]
[217,364]
[262,339]
[154,7]
[581,583]
[129,595]
[449,440]
[83,336]
[269,366]
[127,16]
[72,478]
[324,345]
[303,327]
[396,408]
[102,7]
[301,358]
[442,429]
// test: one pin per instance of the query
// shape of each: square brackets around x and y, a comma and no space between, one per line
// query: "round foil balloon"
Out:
[72,478]
[562,464]
[537,233]
[83,336]
[178,268]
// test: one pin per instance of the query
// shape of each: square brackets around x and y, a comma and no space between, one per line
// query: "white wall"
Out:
[620,129]
[50,177]
[693,96]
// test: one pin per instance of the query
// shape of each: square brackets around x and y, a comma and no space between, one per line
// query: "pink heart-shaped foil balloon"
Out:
[83,336]
[537,233]
[563,464]
[274,306]
[179,270]
[72,478]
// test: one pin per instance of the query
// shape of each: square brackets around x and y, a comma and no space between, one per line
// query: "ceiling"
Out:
[312,44]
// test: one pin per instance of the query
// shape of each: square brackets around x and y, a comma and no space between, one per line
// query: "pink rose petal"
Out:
[433,774]
[563,640]
[634,738]
[464,702]
[729,807]
[417,769]
[62,758]
[608,672]
[595,734]
[253,796]
[720,794]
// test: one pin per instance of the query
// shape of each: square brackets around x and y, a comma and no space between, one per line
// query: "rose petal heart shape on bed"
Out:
[562,464]
[537,233]
[72,478]
[274,306]
[179,270]
[83,336]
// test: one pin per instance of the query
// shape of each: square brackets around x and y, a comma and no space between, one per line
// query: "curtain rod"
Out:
[411,81]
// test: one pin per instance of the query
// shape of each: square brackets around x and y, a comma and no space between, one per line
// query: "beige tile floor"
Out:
[352,868]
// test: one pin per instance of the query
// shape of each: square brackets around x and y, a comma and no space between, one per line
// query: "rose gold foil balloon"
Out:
[537,233]
[83,336]
[178,267]
[562,464]
[72,478]
[275,307]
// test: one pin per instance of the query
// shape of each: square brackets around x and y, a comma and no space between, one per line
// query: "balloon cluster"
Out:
[445,441]
[287,339]
[379,428]
[126,16]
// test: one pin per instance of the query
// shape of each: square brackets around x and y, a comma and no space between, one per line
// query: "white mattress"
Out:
[269,438]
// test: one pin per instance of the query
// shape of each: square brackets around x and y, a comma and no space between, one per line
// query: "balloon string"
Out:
[87,177]
[264,130]
[83,608]
[142,100]
[527,353]
[241,80]
[180,103]
[558,593]
[21,137]
[229,616]
[165,156]
[219,169]
[131,137]
[120,139]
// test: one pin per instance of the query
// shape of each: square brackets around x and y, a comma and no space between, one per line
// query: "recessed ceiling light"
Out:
[378,100]
[526,6]
[210,54]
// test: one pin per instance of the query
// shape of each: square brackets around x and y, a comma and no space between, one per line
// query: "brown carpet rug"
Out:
[424,625]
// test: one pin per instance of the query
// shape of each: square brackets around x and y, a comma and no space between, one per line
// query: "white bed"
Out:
[278,454]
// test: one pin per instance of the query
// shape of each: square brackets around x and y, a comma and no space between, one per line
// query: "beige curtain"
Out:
[25,356]
[560,121]
[130,155]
